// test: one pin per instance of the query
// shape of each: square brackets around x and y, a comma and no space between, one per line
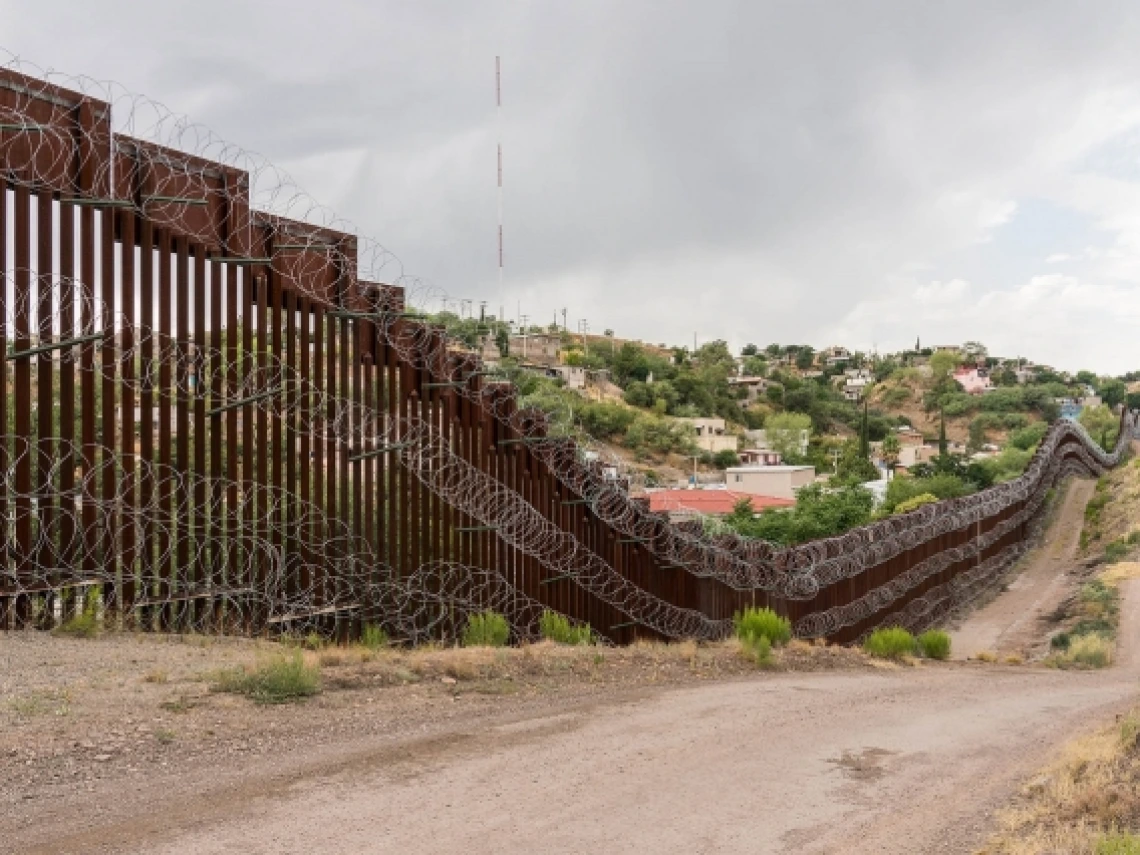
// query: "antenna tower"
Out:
[499,123]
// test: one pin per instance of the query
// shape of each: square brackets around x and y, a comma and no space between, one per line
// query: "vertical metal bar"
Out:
[167,355]
[46,408]
[305,423]
[290,493]
[146,416]
[88,391]
[317,465]
[214,534]
[198,608]
[108,370]
[182,571]
[23,385]
[127,411]
[262,420]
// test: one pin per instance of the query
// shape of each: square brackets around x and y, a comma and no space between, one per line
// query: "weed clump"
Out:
[890,643]
[557,627]
[753,624]
[373,637]
[1118,843]
[86,623]
[1085,651]
[934,644]
[275,681]
[486,629]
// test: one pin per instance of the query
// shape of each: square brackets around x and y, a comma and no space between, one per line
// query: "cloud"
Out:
[749,171]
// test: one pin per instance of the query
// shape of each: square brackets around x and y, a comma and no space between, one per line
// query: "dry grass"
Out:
[474,667]
[1074,804]
[986,656]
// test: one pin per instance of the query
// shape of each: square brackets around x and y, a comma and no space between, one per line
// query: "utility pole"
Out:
[584,326]
[522,329]
[564,327]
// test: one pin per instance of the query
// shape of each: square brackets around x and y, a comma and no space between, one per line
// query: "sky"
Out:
[858,173]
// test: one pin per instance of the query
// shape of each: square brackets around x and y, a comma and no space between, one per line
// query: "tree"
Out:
[864,440]
[785,432]
[755,366]
[1112,392]
[890,450]
[805,358]
[943,364]
[943,446]
[773,350]
[1101,424]
[749,350]
[1133,400]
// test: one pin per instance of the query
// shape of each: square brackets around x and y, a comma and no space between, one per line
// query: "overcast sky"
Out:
[845,172]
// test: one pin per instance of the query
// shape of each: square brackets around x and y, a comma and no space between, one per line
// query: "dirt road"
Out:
[906,760]
[1010,623]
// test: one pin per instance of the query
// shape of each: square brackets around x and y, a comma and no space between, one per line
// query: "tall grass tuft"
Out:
[1089,651]
[274,681]
[890,643]
[557,627]
[934,644]
[373,637]
[755,624]
[486,629]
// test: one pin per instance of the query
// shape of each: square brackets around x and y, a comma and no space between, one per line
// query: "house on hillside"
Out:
[537,347]
[834,355]
[711,435]
[780,481]
[911,455]
[854,388]
[759,457]
[754,387]
[974,380]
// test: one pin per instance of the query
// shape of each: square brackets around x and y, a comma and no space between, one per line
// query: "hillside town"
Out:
[762,424]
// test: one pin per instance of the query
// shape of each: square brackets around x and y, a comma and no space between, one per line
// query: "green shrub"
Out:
[373,637]
[86,623]
[1118,843]
[1116,551]
[763,650]
[915,502]
[934,644]
[275,681]
[890,643]
[1029,437]
[557,627]
[1087,651]
[755,624]
[486,629]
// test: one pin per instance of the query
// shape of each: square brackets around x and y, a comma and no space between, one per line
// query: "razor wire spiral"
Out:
[234,562]
[182,158]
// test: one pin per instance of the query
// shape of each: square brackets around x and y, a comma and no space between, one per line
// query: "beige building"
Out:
[781,482]
[912,455]
[711,436]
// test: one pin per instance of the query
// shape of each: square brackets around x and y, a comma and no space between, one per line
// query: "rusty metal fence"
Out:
[213,420]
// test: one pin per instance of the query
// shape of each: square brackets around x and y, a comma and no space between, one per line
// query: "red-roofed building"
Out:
[682,504]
